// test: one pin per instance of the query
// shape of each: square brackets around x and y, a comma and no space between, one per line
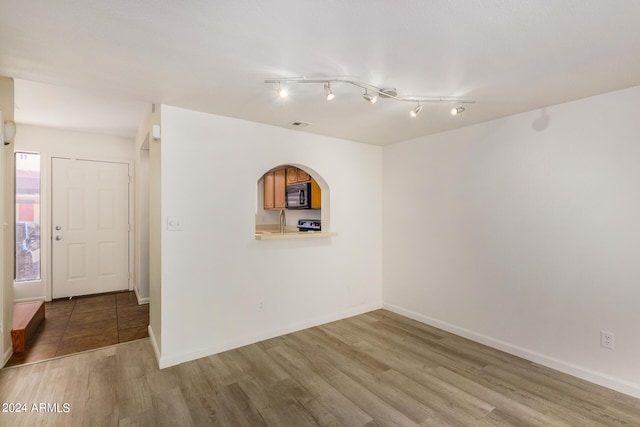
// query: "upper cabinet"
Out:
[295,175]
[275,189]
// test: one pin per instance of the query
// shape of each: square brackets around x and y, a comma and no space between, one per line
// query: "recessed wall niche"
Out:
[271,197]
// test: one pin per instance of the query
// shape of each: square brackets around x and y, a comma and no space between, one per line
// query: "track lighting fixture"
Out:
[282,92]
[372,92]
[328,92]
[416,111]
[457,110]
[368,97]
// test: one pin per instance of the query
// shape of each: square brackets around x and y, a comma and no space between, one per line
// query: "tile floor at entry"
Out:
[85,323]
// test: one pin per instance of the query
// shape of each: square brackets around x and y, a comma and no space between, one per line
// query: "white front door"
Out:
[90,227]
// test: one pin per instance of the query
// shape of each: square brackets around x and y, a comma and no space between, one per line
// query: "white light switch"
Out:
[174,223]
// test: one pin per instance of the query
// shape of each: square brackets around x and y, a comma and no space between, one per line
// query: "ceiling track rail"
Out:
[383,92]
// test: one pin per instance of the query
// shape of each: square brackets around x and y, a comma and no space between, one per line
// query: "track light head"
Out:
[416,111]
[457,110]
[282,92]
[328,92]
[369,98]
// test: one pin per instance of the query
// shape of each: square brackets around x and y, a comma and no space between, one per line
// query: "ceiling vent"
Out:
[299,124]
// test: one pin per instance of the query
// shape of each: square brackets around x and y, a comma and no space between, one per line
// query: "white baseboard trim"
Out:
[154,344]
[29,299]
[140,299]
[604,380]
[170,360]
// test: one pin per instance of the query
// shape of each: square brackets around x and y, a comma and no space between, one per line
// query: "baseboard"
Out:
[29,299]
[167,361]
[604,380]
[7,355]
[140,299]
[154,344]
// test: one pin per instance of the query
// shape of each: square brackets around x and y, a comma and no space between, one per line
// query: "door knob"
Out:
[58,237]
[58,228]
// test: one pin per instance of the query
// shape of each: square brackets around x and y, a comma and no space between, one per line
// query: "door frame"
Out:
[47,217]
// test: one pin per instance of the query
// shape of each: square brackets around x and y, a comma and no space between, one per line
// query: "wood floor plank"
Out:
[345,355]
[322,415]
[202,404]
[517,392]
[383,413]
[255,362]
[520,414]
[262,396]
[421,350]
[215,372]
[340,331]
[446,412]
[302,370]
[311,351]
[377,369]
[101,399]
[236,409]
[409,329]
[134,397]
[199,395]
[289,415]
[171,409]
[586,410]
[392,355]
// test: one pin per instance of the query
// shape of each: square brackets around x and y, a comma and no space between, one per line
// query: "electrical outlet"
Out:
[607,340]
[260,305]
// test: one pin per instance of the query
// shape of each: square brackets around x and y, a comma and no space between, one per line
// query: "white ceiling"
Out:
[213,56]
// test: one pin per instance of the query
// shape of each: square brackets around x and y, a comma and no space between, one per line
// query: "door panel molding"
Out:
[91,203]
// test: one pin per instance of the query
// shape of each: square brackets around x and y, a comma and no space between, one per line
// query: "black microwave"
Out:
[299,196]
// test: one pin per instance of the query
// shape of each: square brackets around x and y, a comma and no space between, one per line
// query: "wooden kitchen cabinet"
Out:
[295,175]
[292,175]
[316,195]
[269,190]
[280,184]
[303,176]
[275,189]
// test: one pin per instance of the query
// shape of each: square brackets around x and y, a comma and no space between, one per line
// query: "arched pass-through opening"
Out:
[273,189]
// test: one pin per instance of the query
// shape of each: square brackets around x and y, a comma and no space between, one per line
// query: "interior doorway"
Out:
[90,227]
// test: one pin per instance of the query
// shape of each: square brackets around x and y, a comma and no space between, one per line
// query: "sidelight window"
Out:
[27,230]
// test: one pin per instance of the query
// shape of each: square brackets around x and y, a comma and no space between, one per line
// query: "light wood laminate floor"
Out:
[376,369]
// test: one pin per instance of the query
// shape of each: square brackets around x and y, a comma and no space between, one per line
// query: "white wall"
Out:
[50,142]
[523,233]
[144,139]
[6,218]
[214,273]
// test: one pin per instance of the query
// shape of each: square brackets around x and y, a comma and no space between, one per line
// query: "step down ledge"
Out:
[27,316]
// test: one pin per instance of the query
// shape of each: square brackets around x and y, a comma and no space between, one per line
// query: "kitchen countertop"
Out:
[272,232]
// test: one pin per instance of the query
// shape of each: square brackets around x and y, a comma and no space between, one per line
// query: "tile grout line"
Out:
[117,319]
[64,331]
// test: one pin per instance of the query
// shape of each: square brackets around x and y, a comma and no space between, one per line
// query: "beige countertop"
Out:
[272,232]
